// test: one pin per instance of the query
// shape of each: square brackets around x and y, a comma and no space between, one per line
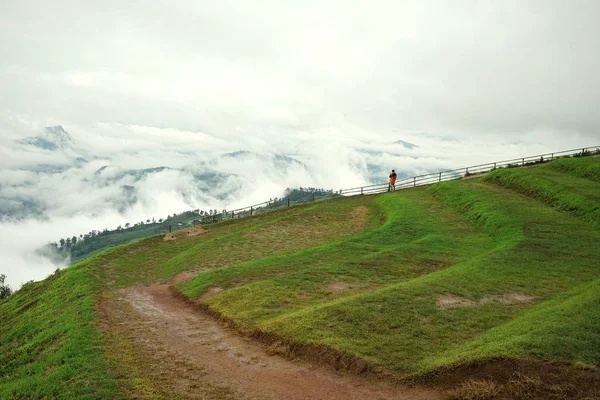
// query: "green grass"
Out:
[577,196]
[49,343]
[394,275]
[364,276]
[562,329]
[236,241]
[411,236]
[588,168]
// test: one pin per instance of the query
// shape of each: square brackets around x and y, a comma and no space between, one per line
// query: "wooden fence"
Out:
[404,183]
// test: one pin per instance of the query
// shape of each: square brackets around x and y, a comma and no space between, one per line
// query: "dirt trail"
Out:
[237,365]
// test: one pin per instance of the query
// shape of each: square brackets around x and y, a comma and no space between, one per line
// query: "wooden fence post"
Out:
[288,201]
[361,190]
[440,177]
[523,162]
[251,211]
[414,181]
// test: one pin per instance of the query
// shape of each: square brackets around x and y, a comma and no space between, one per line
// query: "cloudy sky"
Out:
[330,83]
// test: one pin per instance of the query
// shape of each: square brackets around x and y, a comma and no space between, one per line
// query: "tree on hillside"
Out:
[5,290]
[62,242]
[74,240]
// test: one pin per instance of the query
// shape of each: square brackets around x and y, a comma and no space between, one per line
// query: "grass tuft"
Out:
[475,390]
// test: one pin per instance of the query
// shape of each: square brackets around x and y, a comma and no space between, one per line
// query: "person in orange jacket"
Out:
[392,185]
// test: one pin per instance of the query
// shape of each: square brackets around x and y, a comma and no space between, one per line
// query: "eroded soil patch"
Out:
[188,275]
[452,301]
[193,231]
[338,287]
[360,214]
[518,380]
[211,292]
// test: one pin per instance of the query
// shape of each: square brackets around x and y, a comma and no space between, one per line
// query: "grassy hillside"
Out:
[50,346]
[412,284]
[96,241]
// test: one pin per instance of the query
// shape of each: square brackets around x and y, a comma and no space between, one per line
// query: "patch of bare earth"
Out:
[338,287]
[193,231]
[360,214]
[517,380]
[211,292]
[188,275]
[192,356]
[452,301]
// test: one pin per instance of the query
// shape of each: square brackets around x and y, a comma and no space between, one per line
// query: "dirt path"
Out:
[203,354]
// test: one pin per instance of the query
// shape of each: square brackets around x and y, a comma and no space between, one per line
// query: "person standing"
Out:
[392,185]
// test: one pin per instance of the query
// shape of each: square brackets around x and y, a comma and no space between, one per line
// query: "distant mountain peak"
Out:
[102,168]
[406,145]
[53,138]
[280,160]
[59,134]
[239,153]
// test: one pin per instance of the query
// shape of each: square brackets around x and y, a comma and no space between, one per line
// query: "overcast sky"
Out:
[273,68]
[137,82]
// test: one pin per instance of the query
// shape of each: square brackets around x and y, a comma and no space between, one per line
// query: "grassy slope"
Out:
[582,167]
[577,196]
[236,241]
[49,344]
[411,236]
[388,314]
[364,284]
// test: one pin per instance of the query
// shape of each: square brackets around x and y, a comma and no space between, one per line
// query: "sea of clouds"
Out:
[79,186]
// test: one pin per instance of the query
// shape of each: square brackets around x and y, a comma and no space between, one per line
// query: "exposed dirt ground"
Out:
[518,380]
[194,356]
[193,231]
[451,301]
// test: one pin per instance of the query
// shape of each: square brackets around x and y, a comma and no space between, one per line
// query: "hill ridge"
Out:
[357,281]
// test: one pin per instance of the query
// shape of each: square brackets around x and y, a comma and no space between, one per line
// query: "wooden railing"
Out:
[404,183]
